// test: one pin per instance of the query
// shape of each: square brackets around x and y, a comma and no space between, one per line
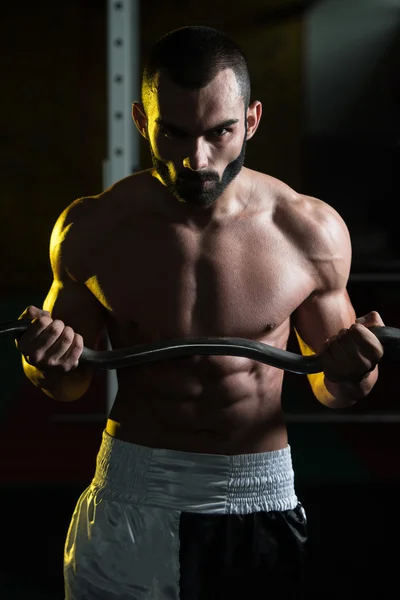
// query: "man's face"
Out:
[197,138]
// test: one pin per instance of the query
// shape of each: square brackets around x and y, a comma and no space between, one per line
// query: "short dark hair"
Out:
[192,56]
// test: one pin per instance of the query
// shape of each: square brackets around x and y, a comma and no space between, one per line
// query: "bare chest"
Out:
[161,280]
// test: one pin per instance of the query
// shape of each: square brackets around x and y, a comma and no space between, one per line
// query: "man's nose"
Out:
[196,159]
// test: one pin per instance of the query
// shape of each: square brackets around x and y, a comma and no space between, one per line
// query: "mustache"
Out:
[196,178]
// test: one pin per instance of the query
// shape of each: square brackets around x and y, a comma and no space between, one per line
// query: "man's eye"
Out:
[220,132]
[166,133]
[170,134]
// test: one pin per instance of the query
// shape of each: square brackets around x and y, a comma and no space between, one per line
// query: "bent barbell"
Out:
[210,346]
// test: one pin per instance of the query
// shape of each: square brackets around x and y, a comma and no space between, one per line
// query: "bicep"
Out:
[328,308]
[68,298]
[77,307]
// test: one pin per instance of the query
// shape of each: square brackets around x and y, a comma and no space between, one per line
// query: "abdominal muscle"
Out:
[211,405]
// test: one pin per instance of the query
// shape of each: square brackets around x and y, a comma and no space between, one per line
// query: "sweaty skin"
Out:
[158,256]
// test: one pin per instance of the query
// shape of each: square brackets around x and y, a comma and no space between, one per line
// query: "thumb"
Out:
[371,319]
[33,312]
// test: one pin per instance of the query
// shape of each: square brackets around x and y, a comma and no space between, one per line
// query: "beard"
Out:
[199,189]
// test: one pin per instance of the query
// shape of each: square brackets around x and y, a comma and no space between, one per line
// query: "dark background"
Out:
[328,75]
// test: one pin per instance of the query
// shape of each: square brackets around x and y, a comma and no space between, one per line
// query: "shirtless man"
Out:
[193,495]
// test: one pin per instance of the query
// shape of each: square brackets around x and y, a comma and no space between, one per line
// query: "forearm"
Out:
[344,394]
[64,388]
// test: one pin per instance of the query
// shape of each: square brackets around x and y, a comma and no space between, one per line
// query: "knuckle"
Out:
[68,364]
[58,323]
[75,354]
[55,326]
[78,341]
[74,357]
[68,335]
[44,321]
[52,361]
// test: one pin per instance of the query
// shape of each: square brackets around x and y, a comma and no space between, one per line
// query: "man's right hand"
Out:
[49,344]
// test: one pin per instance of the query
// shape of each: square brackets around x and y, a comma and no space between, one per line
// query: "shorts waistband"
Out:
[208,483]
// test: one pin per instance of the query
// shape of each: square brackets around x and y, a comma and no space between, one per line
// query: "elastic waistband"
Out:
[186,481]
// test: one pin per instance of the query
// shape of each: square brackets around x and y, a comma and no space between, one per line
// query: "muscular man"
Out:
[193,495]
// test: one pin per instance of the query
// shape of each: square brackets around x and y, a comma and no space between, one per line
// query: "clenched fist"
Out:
[49,344]
[353,353]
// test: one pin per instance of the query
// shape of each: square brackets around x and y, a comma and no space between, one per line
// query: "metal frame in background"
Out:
[123,87]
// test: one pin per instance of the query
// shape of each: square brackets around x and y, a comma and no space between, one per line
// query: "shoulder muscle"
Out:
[322,237]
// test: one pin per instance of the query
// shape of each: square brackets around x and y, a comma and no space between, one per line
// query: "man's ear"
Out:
[139,118]
[254,113]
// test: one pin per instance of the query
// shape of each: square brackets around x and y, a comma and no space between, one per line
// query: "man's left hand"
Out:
[353,353]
